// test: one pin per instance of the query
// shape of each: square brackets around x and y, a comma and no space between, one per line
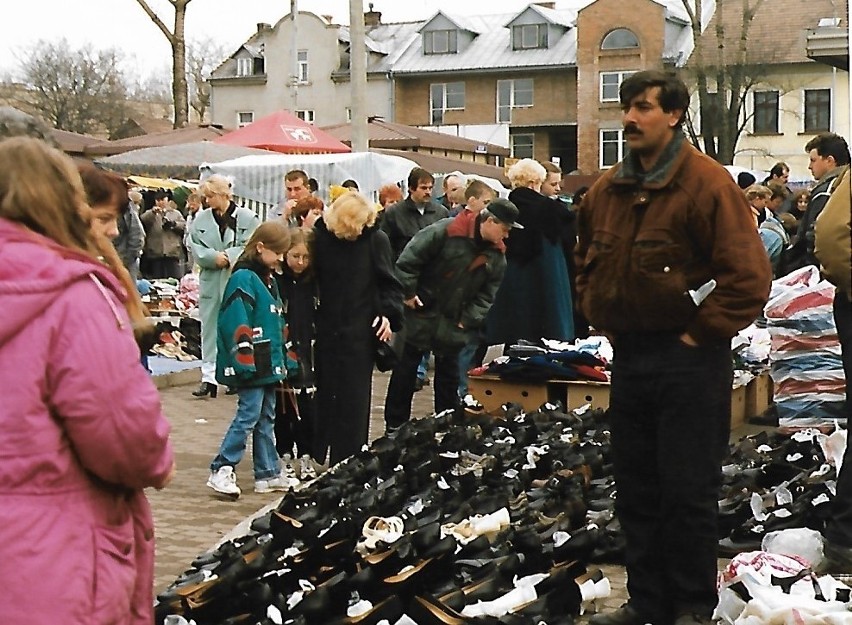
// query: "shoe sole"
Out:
[226,495]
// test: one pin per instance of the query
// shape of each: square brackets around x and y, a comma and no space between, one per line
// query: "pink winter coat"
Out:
[81,434]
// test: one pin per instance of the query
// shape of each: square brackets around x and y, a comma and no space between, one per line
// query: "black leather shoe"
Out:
[625,615]
[231,390]
[206,389]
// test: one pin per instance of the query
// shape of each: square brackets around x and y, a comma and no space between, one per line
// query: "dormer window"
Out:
[529,36]
[245,66]
[619,39]
[440,42]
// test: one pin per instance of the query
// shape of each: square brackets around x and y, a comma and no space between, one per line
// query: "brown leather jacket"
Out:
[643,245]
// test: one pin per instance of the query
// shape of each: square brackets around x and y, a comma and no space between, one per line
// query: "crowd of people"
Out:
[664,254]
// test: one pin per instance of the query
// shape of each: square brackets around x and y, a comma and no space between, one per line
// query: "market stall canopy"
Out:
[173,161]
[441,165]
[159,183]
[284,132]
[260,179]
[177,136]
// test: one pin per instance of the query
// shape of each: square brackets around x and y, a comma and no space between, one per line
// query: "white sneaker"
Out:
[278,483]
[224,481]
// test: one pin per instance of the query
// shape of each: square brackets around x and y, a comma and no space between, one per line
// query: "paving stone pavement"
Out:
[189,519]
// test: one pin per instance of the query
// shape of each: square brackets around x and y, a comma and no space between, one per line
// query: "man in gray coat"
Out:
[164,228]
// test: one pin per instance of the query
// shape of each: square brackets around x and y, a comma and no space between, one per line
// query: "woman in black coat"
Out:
[360,300]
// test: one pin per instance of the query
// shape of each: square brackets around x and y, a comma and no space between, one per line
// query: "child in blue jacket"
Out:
[251,358]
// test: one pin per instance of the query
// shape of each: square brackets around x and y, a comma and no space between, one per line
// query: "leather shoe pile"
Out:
[453,519]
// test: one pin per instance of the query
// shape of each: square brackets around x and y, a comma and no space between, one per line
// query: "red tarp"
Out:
[284,132]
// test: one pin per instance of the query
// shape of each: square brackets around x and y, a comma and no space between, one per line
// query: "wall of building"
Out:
[647,21]
[763,151]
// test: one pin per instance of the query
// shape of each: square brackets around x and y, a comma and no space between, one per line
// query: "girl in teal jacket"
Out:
[250,357]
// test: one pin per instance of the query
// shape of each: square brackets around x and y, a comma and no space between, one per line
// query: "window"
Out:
[765,111]
[610,82]
[348,115]
[302,59]
[513,94]
[619,39]
[244,118]
[612,147]
[306,115]
[528,36]
[445,96]
[440,42]
[817,110]
[245,66]
[522,146]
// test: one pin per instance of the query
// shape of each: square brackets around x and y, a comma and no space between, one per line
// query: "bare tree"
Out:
[724,71]
[202,57]
[76,90]
[177,39]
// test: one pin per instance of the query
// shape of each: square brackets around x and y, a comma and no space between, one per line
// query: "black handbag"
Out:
[388,354]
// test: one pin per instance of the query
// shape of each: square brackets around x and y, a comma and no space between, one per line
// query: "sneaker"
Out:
[289,467]
[278,483]
[224,481]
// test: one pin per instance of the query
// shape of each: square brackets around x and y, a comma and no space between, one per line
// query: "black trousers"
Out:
[296,423]
[839,528]
[404,376]
[161,267]
[670,411]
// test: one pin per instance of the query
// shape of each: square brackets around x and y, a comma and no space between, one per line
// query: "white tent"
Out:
[259,180]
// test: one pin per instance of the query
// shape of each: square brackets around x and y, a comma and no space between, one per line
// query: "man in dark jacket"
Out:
[406,218]
[450,272]
[671,266]
[828,154]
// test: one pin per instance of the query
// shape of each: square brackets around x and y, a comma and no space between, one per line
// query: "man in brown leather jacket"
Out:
[670,265]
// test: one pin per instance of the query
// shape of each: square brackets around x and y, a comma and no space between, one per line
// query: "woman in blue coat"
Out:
[217,236]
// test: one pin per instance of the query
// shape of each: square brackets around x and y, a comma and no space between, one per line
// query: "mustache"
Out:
[631,129]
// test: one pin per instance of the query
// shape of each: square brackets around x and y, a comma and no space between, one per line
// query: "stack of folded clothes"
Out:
[537,362]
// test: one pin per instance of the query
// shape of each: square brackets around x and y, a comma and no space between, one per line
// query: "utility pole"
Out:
[294,57]
[358,76]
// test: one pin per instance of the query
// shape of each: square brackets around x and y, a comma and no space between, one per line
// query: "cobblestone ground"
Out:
[190,520]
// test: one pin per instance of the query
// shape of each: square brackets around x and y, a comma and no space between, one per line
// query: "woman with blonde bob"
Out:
[534,299]
[82,432]
[360,301]
[217,236]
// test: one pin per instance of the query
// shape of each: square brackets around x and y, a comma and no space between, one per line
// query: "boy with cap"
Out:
[462,259]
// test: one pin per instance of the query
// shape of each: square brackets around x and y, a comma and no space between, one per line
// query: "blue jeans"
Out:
[255,414]
[465,361]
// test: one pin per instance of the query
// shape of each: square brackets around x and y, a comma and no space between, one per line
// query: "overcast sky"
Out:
[123,24]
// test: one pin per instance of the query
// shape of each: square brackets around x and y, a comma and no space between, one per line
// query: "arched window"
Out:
[618,39]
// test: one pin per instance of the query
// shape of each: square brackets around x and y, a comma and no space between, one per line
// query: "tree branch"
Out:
[156,19]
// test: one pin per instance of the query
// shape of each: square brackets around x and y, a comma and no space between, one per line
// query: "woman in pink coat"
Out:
[81,429]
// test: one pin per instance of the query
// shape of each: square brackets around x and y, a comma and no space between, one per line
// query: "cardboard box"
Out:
[492,392]
[738,406]
[759,395]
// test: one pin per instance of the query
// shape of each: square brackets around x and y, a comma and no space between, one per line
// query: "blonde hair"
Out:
[525,172]
[216,185]
[757,191]
[41,189]
[348,215]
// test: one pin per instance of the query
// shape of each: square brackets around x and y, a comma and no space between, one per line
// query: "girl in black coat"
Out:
[360,301]
[296,408]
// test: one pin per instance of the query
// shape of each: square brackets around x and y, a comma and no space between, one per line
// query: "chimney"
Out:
[372,18]
[546,5]
[262,26]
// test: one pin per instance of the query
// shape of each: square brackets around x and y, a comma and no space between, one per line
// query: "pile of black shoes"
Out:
[456,518]
[771,482]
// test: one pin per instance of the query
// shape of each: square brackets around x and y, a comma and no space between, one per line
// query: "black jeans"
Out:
[404,376]
[670,411]
[839,528]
